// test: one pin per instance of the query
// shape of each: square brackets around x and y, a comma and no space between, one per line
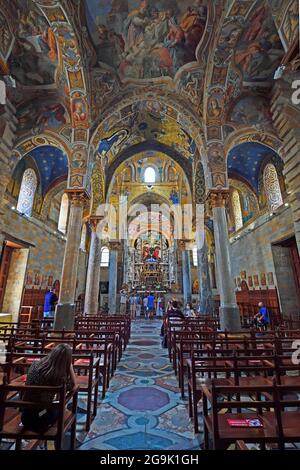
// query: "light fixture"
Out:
[286,204]
[13,208]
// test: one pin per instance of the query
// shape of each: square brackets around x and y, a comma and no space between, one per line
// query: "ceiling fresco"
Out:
[35,44]
[52,164]
[145,39]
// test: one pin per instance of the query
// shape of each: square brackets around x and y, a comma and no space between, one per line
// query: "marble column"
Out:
[229,311]
[186,272]
[65,309]
[206,304]
[91,301]
[113,276]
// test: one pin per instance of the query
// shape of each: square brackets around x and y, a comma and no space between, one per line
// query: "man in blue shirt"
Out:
[49,304]
[262,317]
[150,305]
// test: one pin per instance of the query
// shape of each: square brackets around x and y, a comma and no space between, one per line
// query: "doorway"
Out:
[13,266]
[287,270]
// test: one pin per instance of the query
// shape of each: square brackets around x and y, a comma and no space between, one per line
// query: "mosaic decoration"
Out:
[199,184]
[143,408]
[146,39]
[52,164]
[246,160]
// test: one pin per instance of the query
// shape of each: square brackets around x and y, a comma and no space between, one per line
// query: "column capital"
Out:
[94,221]
[218,198]
[77,197]
[183,244]
[114,245]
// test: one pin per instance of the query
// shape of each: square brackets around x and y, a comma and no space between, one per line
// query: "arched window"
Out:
[272,187]
[237,210]
[149,175]
[27,192]
[104,257]
[195,257]
[63,214]
[83,238]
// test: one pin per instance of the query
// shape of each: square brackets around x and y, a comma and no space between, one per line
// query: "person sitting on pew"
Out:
[261,318]
[53,370]
[175,311]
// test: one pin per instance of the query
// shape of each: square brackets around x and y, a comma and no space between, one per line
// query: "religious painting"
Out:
[146,39]
[290,25]
[250,281]
[270,278]
[5,36]
[243,275]
[35,44]
[256,280]
[50,281]
[79,112]
[215,105]
[260,50]
[263,279]
[29,278]
[37,279]
[174,196]
[151,247]
[40,115]
[251,110]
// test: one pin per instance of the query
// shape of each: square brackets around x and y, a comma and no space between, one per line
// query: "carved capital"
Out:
[94,221]
[218,198]
[114,245]
[77,197]
[184,244]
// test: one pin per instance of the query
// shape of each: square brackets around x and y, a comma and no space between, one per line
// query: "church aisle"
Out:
[143,408]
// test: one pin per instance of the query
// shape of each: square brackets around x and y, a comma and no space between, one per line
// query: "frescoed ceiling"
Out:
[145,39]
[245,160]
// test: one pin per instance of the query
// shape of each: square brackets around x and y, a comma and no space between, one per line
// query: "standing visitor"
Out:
[132,302]
[138,305]
[159,307]
[145,306]
[49,304]
[150,305]
[123,302]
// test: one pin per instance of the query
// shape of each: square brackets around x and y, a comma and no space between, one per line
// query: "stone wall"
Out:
[15,283]
[252,254]
[46,253]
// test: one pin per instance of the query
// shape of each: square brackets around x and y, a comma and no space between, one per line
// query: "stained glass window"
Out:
[27,192]
[237,210]
[104,257]
[63,214]
[272,187]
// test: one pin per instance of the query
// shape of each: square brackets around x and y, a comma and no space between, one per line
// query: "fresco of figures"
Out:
[144,39]
[40,115]
[260,49]
[35,44]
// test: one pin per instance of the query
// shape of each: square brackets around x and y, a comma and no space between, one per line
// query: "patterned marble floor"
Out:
[143,408]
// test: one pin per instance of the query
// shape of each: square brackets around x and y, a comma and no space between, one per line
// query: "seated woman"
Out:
[189,311]
[53,370]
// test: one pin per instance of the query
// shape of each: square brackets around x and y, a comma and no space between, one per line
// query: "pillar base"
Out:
[64,317]
[230,319]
